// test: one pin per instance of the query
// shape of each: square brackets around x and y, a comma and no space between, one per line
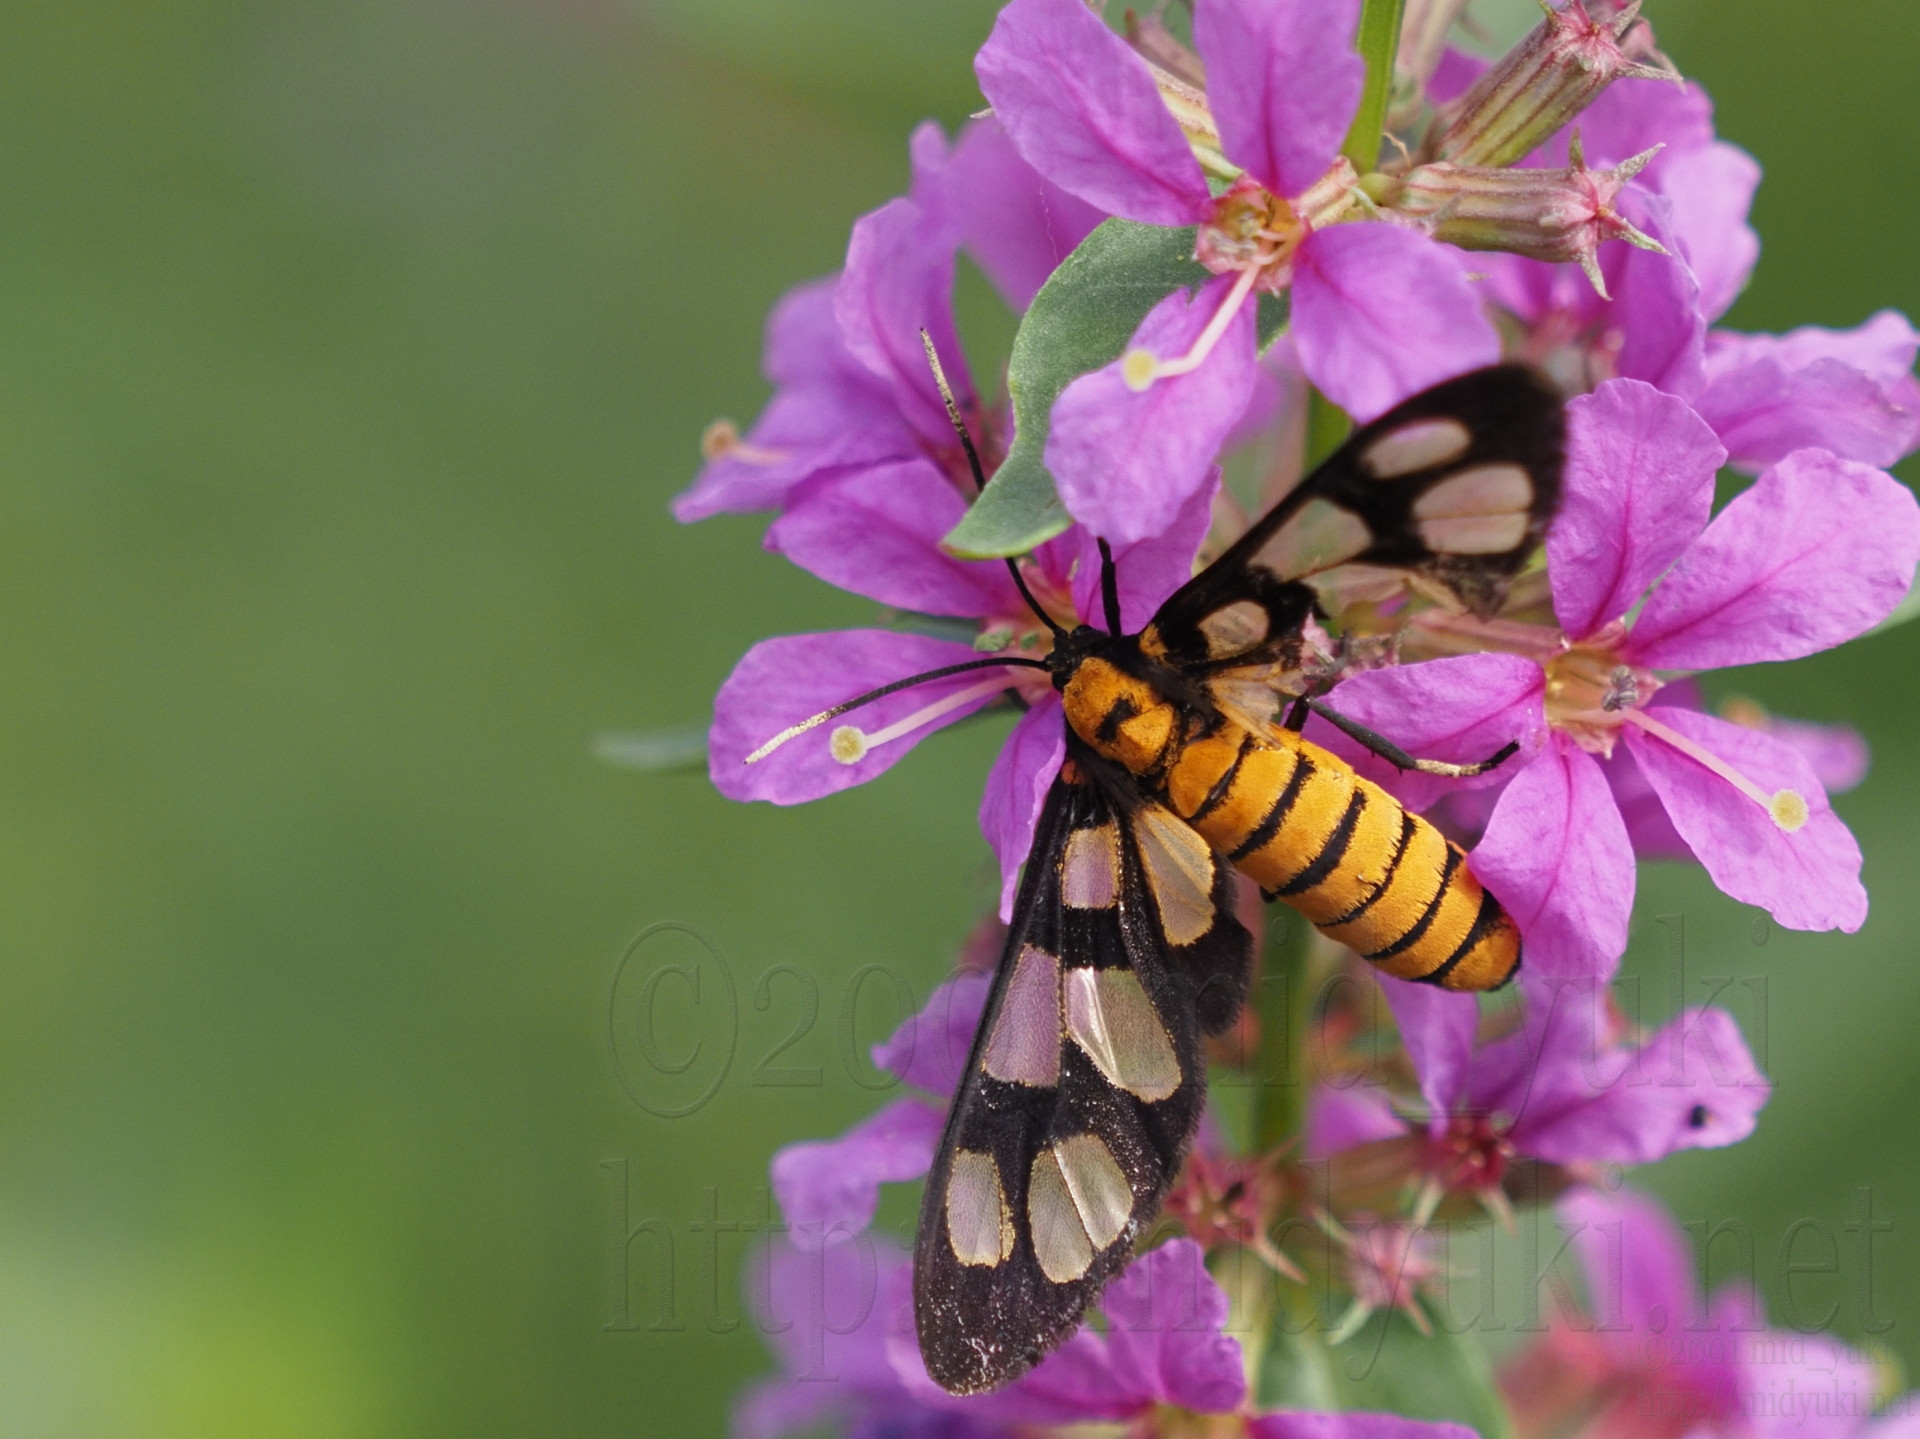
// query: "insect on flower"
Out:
[1184,761]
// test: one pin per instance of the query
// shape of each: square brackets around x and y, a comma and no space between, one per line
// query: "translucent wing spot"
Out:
[1320,536]
[979,1224]
[1481,491]
[1090,872]
[1024,1047]
[1235,627]
[1110,1017]
[1098,1185]
[1179,866]
[1475,535]
[1060,1240]
[1418,446]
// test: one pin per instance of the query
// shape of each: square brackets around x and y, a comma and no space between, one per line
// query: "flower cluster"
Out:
[1567,205]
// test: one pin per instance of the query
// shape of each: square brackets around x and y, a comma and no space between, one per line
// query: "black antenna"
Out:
[1109,588]
[871,695]
[980,477]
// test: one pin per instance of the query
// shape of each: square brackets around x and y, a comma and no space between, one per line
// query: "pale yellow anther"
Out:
[1789,809]
[1138,368]
[719,438]
[848,744]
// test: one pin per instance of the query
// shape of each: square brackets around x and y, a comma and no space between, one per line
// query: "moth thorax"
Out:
[1122,717]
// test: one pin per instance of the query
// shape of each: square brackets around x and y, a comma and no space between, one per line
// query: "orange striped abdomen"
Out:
[1298,821]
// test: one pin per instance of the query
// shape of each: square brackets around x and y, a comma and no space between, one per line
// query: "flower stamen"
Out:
[1141,367]
[849,743]
[1787,808]
[721,441]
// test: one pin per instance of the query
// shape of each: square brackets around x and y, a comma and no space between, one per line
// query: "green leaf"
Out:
[1387,1367]
[1390,1366]
[1297,1372]
[664,751]
[1080,321]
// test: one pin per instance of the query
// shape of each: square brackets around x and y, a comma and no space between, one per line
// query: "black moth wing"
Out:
[1457,483]
[1085,1082]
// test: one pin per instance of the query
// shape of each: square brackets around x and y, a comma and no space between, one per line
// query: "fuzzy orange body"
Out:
[1299,822]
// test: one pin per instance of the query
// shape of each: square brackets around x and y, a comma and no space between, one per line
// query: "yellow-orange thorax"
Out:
[1298,821]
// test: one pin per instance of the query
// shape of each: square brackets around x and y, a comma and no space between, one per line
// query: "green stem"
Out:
[1283,1002]
[1379,39]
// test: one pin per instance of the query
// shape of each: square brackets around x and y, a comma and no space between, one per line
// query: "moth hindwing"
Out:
[1457,484]
[1086,1079]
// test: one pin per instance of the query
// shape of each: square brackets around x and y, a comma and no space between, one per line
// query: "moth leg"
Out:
[1391,752]
[1296,719]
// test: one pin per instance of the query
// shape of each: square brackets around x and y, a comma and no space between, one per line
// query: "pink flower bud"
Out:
[1554,215]
[1542,83]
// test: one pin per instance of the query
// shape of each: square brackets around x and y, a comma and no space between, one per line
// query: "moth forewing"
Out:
[1083,1089]
[1455,486]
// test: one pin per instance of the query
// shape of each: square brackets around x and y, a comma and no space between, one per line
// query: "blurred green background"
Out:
[349,354]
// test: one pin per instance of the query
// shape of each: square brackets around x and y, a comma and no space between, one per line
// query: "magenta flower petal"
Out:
[1849,391]
[1165,1339]
[876,532]
[780,682]
[1282,83]
[1083,111]
[1638,1267]
[1655,313]
[1454,75]
[1578,1097]
[1304,1424]
[898,281]
[1557,856]
[1883,348]
[822,1314]
[1639,489]
[827,410]
[1816,552]
[1128,461]
[1649,828]
[1147,571]
[1016,223]
[1463,709]
[929,1050]
[1436,1030]
[1338,1119]
[1633,115]
[1016,789]
[830,1188]
[1837,753]
[1380,312]
[1809,879]
[1710,191]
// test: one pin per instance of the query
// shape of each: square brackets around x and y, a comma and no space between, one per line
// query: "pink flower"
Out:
[1816,552]
[840,1320]
[1379,311]
[853,395]
[1656,1360]
[1569,1086]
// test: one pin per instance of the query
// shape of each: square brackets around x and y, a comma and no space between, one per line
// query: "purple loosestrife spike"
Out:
[1537,87]
[1553,215]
